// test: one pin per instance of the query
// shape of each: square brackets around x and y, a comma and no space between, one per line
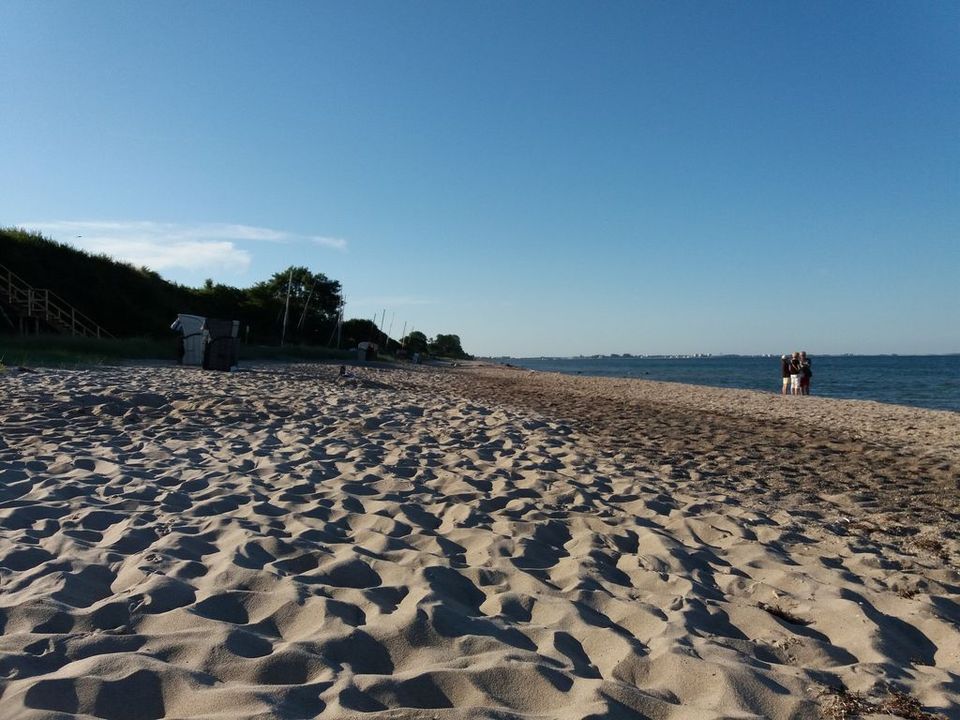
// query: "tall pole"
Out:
[403,335]
[336,328]
[303,315]
[339,325]
[393,316]
[286,308]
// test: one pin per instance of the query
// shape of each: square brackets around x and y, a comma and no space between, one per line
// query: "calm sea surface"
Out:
[930,381]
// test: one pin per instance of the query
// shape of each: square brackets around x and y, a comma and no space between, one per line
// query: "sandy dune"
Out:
[469,543]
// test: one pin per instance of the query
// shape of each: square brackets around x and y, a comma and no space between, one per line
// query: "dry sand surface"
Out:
[469,543]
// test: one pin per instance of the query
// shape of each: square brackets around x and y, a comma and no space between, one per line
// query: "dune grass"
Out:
[61,350]
[65,351]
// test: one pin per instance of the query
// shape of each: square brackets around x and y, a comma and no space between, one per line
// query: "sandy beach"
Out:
[469,542]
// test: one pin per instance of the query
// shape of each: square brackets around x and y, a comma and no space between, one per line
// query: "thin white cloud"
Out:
[187,255]
[164,246]
[330,242]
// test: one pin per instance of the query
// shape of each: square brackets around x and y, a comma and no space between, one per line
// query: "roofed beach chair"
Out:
[223,344]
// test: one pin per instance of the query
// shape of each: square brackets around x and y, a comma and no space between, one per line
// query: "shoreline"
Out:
[424,542]
[921,444]
[749,380]
[691,396]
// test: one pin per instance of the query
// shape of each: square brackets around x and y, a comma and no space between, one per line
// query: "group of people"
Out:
[796,372]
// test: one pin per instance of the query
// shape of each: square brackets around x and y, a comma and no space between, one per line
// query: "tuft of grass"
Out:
[841,704]
[783,614]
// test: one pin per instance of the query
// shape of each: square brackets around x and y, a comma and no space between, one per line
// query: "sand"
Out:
[475,542]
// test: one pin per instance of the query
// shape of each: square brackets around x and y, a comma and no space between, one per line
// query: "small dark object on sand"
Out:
[786,615]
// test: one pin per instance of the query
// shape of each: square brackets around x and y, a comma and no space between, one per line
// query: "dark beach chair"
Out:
[223,344]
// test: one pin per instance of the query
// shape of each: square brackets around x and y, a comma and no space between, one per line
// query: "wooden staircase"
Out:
[28,303]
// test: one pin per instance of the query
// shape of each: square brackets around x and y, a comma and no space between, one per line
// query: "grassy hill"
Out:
[126,300]
[136,302]
[132,302]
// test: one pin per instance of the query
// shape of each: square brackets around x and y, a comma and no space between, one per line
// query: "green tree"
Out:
[415,341]
[221,301]
[315,302]
[358,330]
[448,346]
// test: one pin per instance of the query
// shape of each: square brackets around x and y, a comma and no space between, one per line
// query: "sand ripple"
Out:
[415,544]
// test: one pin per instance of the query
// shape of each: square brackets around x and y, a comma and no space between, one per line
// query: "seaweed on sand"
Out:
[842,704]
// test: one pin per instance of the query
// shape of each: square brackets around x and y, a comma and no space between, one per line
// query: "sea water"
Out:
[929,381]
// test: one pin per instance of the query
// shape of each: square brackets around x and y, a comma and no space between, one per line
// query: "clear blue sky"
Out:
[547,178]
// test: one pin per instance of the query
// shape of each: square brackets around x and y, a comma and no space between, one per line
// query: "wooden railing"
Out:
[42,304]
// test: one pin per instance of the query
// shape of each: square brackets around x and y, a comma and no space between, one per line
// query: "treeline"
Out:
[136,302]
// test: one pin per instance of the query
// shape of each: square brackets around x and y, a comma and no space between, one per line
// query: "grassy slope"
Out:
[132,302]
[63,351]
[118,296]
